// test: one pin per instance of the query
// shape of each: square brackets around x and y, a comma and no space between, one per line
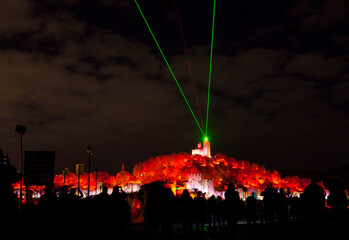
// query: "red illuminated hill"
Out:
[220,168]
[175,169]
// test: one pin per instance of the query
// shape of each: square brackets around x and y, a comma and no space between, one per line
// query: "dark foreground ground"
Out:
[291,230]
[279,231]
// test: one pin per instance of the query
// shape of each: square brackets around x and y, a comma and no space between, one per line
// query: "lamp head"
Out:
[20,129]
[89,150]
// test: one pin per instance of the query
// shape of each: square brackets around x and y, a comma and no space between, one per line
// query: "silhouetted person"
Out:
[251,208]
[314,202]
[158,207]
[147,195]
[118,193]
[232,207]
[220,213]
[75,194]
[62,207]
[281,206]
[295,208]
[102,207]
[212,211]
[70,209]
[338,202]
[301,206]
[186,206]
[64,192]
[119,211]
[200,210]
[166,207]
[87,216]
[74,197]
[48,210]
[9,211]
[269,202]
[29,212]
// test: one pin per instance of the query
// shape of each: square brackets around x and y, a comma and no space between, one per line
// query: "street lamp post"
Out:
[65,173]
[96,181]
[21,130]
[89,151]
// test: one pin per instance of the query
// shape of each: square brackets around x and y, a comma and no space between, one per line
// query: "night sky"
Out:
[88,72]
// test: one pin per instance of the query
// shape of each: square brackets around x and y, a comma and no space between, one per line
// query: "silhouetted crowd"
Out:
[65,211]
[223,214]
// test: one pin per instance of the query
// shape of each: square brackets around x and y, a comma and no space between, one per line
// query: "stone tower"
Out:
[203,149]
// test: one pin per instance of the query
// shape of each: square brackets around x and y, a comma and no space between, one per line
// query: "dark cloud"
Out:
[16,16]
[315,66]
[87,72]
[322,15]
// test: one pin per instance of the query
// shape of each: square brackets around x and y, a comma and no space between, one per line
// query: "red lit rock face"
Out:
[175,168]
[220,168]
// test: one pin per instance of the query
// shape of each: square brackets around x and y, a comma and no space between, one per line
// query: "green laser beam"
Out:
[210,70]
[168,65]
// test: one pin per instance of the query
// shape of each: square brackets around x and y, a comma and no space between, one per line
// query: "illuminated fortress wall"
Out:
[196,182]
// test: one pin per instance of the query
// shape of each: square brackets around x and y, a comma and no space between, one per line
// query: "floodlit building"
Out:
[203,149]
[132,187]
[196,182]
